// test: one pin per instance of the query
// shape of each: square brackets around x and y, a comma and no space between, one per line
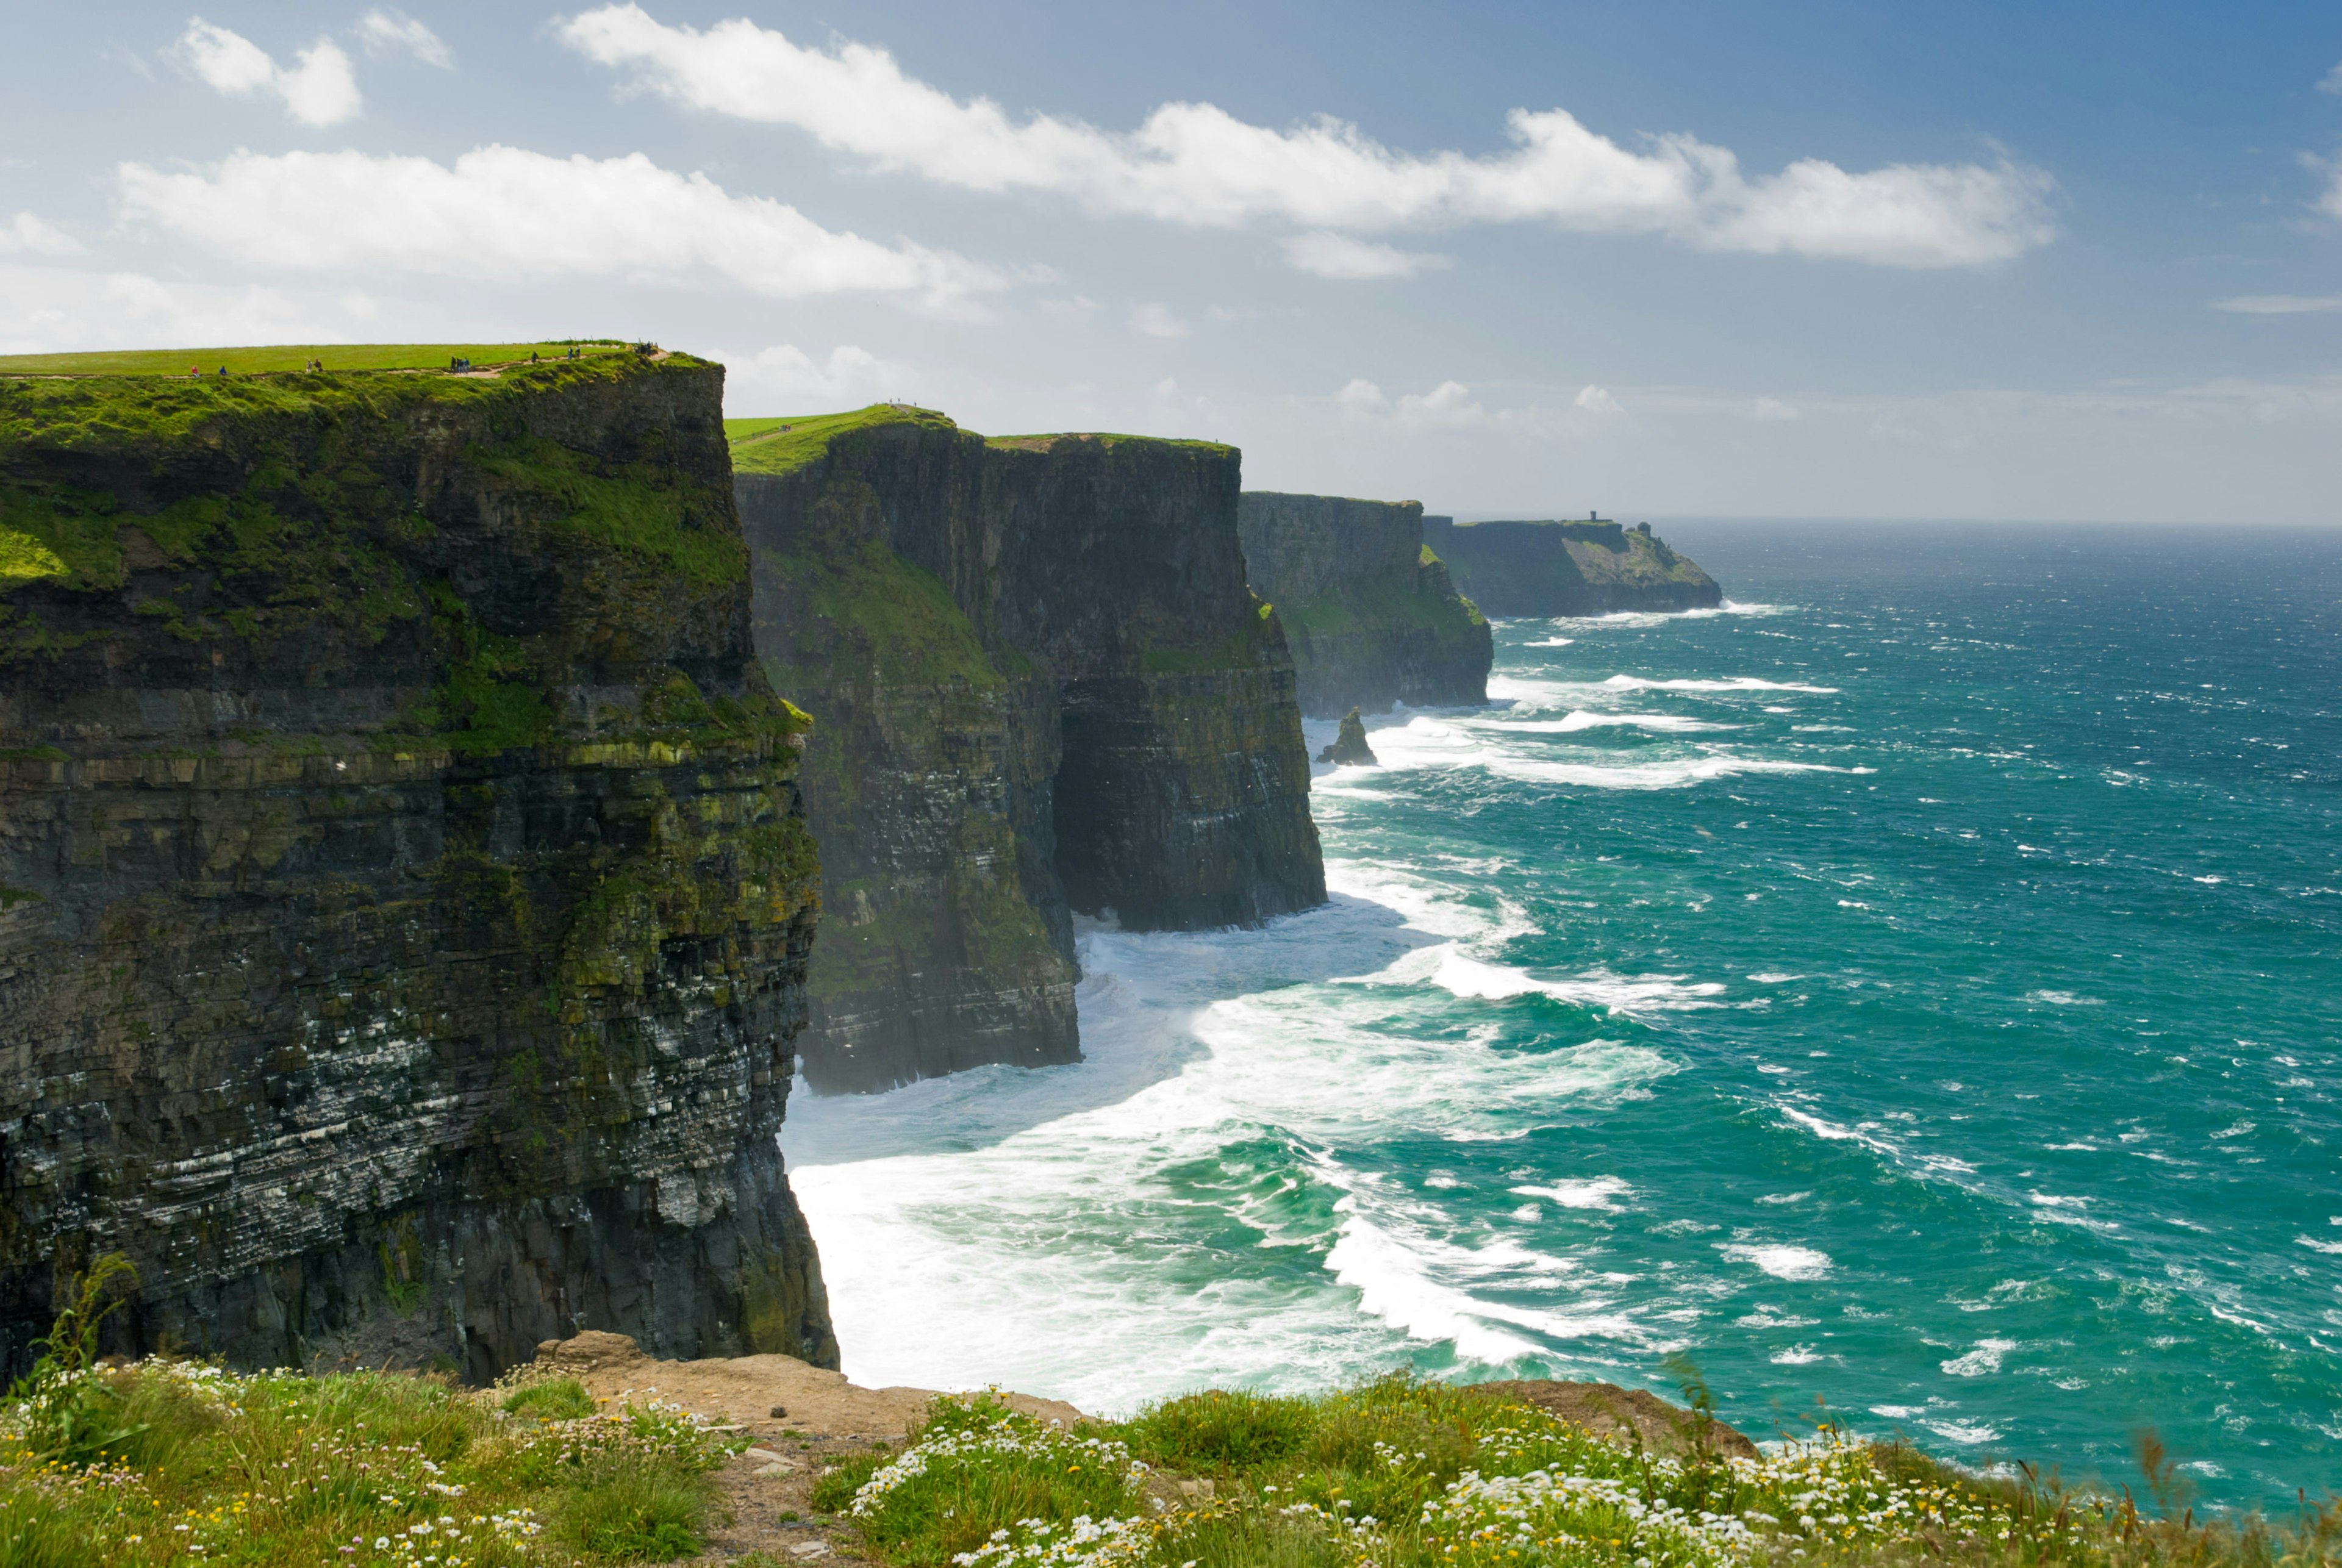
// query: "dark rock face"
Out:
[1368,610]
[1349,748]
[405,894]
[1040,685]
[1568,568]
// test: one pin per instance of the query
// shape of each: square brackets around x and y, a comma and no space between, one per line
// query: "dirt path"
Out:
[803,1419]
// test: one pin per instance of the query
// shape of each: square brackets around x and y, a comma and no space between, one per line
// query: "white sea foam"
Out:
[1674,774]
[1395,1284]
[1734,683]
[1195,1046]
[1550,643]
[1781,1261]
[1981,1362]
[1795,1355]
[1969,1431]
[1629,620]
[1459,975]
[1582,719]
[2063,999]
[1594,1193]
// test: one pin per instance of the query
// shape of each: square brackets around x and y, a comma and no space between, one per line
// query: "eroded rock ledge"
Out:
[405,893]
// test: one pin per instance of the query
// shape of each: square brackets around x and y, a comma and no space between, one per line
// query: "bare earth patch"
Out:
[827,1419]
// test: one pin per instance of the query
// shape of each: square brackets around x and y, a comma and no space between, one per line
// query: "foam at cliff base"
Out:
[1251,1087]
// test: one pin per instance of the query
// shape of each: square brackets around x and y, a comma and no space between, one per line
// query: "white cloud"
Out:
[27,234]
[1449,403]
[48,309]
[1339,256]
[502,213]
[1597,400]
[2329,200]
[1193,163]
[394,31]
[1157,321]
[1772,408]
[785,379]
[2332,81]
[1445,406]
[320,89]
[2280,304]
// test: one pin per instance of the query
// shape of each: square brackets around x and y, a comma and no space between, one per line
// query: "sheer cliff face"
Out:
[1568,568]
[1040,685]
[1370,613]
[406,893]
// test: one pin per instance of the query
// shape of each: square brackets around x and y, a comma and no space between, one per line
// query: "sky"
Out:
[2024,261]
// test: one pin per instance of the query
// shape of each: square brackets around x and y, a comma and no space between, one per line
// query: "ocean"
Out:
[1908,994]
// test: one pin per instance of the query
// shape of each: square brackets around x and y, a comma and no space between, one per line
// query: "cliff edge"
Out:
[1368,608]
[1040,686]
[1557,568]
[405,891]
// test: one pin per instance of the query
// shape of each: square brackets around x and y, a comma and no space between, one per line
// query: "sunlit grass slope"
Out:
[1401,1473]
[293,357]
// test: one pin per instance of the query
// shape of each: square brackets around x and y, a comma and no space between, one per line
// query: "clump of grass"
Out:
[626,1509]
[1219,1431]
[552,1399]
[982,1475]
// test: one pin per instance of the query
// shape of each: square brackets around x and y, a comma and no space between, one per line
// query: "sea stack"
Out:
[1349,748]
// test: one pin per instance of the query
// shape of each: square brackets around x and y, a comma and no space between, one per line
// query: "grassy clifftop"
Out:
[272,359]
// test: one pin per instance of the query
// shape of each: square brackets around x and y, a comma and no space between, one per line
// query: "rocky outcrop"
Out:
[1556,568]
[1368,609]
[405,893]
[1349,748]
[1040,686]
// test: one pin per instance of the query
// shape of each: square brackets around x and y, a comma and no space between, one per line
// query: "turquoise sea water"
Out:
[1909,992]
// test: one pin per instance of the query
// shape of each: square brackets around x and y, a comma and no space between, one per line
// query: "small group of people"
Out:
[456,362]
[197,370]
[313,364]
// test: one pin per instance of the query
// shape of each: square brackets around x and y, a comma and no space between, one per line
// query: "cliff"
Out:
[1041,686]
[1368,608]
[1552,568]
[405,891]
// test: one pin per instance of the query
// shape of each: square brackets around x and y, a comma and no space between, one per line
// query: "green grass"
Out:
[279,358]
[554,1399]
[175,1462]
[1103,437]
[784,444]
[283,1468]
[1405,1474]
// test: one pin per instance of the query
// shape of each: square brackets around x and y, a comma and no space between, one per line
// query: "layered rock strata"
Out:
[1041,687]
[1557,568]
[1368,609]
[407,895]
